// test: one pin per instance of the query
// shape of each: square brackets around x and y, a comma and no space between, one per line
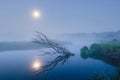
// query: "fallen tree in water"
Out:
[57,47]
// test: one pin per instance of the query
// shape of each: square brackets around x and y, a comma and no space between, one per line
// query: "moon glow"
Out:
[36,14]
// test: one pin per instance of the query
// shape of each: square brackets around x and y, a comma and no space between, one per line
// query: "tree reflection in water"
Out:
[43,72]
[106,76]
[59,59]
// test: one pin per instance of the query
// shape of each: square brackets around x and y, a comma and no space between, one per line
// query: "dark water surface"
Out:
[22,64]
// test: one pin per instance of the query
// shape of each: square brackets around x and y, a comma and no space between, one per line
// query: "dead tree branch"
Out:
[43,40]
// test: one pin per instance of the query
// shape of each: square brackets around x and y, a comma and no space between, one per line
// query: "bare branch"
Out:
[43,40]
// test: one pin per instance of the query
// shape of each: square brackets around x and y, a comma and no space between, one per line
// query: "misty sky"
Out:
[58,17]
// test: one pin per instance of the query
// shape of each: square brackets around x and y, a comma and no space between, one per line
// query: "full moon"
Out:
[36,14]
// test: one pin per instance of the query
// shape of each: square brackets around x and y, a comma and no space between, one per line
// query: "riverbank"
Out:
[108,52]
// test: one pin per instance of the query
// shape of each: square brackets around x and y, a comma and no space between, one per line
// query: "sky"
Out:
[57,17]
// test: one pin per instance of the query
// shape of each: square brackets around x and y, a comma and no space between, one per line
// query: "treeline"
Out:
[110,49]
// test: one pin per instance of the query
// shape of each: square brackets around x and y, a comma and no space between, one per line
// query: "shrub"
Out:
[85,52]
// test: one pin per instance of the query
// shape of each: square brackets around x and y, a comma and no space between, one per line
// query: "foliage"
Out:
[95,49]
[85,52]
[107,49]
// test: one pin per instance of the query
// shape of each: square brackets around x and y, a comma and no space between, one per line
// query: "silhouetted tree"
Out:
[57,47]
[85,52]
